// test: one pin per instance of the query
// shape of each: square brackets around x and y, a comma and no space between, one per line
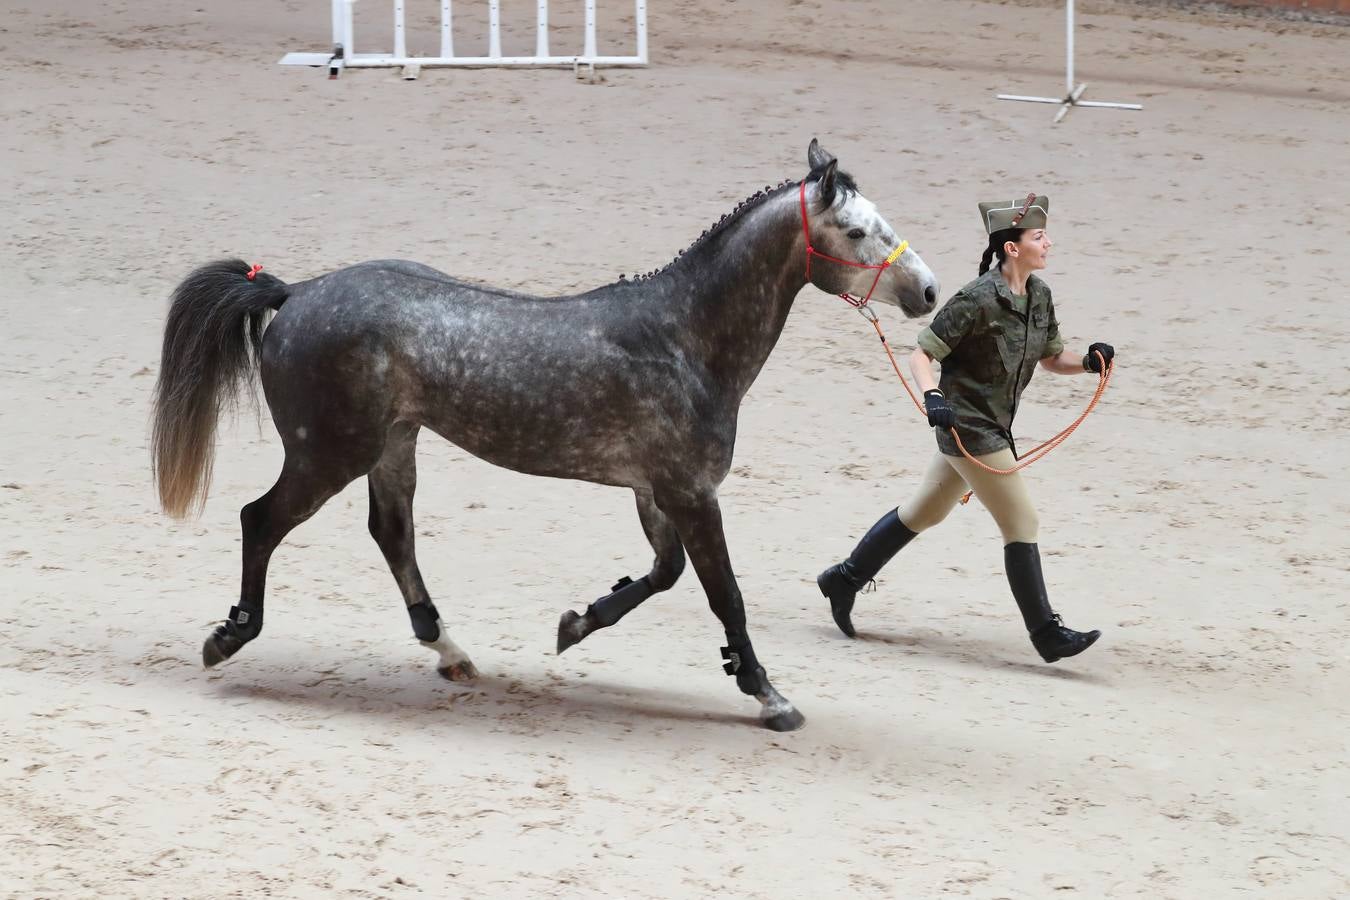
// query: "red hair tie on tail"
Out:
[253,272]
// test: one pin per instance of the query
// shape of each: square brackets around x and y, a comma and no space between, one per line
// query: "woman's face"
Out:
[1031,249]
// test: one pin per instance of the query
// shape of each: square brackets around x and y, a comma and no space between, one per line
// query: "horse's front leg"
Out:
[628,594]
[698,519]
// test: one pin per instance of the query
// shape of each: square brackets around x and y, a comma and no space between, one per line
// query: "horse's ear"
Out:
[816,156]
[826,184]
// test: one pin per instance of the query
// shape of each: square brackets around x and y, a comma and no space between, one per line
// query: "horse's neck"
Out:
[741,286]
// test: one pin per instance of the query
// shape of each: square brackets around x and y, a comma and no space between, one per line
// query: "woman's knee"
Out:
[921,519]
[1020,526]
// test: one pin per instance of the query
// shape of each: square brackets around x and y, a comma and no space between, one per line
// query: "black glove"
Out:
[1092,364]
[940,415]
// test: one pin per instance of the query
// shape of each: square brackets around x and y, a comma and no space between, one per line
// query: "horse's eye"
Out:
[857,234]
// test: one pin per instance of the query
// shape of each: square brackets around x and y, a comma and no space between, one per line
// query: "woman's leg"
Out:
[938,492]
[1005,496]
[1008,501]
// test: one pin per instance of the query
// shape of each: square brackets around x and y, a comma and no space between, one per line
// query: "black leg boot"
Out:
[842,582]
[1048,635]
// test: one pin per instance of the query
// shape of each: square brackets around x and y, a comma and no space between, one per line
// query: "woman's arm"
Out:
[921,367]
[1064,363]
[940,414]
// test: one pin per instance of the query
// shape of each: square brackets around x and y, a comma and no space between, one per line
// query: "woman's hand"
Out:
[1091,362]
[940,415]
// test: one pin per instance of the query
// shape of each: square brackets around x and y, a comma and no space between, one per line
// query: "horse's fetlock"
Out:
[243,625]
[750,675]
[244,622]
[426,621]
[755,683]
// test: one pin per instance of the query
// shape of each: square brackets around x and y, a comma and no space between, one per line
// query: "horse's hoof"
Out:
[219,647]
[569,631]
[790,720]
[461,672]
[211,655]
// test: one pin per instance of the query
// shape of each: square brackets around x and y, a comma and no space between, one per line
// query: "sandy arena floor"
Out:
[1199,751]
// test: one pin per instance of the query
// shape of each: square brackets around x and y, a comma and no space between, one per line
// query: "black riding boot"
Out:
[1048,635]
[842,582]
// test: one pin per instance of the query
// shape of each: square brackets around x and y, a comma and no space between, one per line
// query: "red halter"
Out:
[812,251]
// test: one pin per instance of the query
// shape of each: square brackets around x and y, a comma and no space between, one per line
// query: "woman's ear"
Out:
[1010,248]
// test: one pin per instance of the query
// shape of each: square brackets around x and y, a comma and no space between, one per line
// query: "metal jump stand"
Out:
[1074,93]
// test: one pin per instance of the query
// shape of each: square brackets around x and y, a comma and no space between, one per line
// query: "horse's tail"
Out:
[212,346]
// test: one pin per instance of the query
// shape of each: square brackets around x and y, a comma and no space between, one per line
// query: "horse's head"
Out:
[843,224]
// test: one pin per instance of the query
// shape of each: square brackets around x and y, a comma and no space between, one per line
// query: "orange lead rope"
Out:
[1032,456]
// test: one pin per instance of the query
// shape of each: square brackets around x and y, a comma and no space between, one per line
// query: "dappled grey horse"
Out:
[634,384]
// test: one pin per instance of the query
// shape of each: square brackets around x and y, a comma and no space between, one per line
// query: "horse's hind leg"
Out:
[628,594]
[392,484]
[303,487]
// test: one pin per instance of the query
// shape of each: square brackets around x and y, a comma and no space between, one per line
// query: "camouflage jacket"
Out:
[989,351]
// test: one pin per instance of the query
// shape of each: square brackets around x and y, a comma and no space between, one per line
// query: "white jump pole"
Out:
[494,29]
[348,29]
[400,31]
[344,55]
[588,50]
[640,19]
[339,18]
[447,31]
[1072,94]
[1068,47]
[541,39]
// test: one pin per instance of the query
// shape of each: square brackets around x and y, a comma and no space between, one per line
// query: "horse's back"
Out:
[424,344]
[389,298]
[390,281]
[411,303]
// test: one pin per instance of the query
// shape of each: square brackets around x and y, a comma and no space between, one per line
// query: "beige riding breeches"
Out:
[948,478]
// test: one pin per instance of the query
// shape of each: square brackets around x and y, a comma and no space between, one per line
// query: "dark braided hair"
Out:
[996,242]
[744,206]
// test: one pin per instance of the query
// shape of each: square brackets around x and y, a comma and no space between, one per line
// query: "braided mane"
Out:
[843,183]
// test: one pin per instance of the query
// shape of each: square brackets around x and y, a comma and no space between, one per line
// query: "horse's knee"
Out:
[667,571]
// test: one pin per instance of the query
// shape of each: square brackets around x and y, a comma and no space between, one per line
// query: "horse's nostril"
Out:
[930,295]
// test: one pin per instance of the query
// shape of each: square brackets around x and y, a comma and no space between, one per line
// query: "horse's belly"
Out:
[536,431]
[535,452]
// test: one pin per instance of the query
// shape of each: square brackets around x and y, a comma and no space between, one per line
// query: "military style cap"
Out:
[1029,212]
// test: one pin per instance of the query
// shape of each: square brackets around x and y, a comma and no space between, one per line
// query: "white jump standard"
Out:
[344,54]
[1073,94]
